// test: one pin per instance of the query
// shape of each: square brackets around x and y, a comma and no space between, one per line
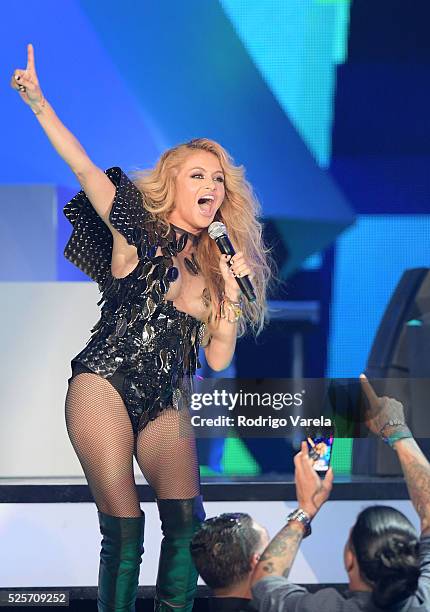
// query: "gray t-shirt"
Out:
[275,593]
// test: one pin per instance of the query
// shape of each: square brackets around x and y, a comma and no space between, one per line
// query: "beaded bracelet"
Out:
[391,423]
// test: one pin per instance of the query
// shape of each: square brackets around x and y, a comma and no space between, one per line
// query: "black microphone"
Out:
[218,232]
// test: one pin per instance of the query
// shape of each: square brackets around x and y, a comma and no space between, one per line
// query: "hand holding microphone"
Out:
[217,231]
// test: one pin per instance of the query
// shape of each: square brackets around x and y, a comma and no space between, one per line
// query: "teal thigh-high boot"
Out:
[120,559]
[177,575]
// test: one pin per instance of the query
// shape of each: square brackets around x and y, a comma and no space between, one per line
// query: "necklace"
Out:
[195,238]
[191,264]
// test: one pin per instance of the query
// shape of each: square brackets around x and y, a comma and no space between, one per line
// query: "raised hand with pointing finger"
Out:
[26,83]
[384,416]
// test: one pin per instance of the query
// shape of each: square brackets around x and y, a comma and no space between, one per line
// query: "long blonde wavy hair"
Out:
[239,212]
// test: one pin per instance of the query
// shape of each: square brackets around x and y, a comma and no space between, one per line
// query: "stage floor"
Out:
[279,487]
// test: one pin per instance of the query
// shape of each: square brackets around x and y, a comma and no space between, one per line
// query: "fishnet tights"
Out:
[102,437]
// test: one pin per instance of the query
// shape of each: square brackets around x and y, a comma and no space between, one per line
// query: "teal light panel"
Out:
[296,45]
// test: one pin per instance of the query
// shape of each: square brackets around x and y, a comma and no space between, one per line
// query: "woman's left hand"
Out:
[239,268]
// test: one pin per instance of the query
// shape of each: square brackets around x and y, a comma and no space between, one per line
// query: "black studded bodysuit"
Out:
[145,346]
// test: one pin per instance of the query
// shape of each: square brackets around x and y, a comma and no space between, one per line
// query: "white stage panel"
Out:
[52,545]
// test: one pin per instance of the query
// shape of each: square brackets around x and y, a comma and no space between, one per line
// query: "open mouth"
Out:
[205,205]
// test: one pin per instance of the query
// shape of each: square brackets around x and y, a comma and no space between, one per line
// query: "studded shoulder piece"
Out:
[90,245]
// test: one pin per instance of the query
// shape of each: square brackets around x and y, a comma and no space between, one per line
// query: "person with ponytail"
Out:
[387,562]
[382,554]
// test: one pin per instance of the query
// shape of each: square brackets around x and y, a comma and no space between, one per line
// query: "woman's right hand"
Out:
[25,82]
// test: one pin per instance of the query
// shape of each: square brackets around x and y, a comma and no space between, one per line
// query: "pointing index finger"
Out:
[368,390]
[30,58]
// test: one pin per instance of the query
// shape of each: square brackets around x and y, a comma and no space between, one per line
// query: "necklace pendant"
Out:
[194,260]
[191,265]
[181,242]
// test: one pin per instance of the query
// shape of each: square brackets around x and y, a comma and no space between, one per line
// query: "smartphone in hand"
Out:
[320,450]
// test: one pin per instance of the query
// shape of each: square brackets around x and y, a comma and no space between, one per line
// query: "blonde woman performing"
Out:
[165,291]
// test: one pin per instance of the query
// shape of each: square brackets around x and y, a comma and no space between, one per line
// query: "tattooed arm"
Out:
[415,466]
[278,557]
[311,492]
[416,469]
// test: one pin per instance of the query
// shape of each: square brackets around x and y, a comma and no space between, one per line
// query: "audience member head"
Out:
[225,551]
[382,553]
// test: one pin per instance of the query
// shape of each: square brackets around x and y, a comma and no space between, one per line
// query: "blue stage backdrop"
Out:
[298,91]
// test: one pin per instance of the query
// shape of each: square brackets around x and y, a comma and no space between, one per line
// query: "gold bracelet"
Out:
[232,307]
[42,105]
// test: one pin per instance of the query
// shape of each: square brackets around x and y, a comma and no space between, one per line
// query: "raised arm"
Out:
[415,466]
[312,493]
[98,187]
